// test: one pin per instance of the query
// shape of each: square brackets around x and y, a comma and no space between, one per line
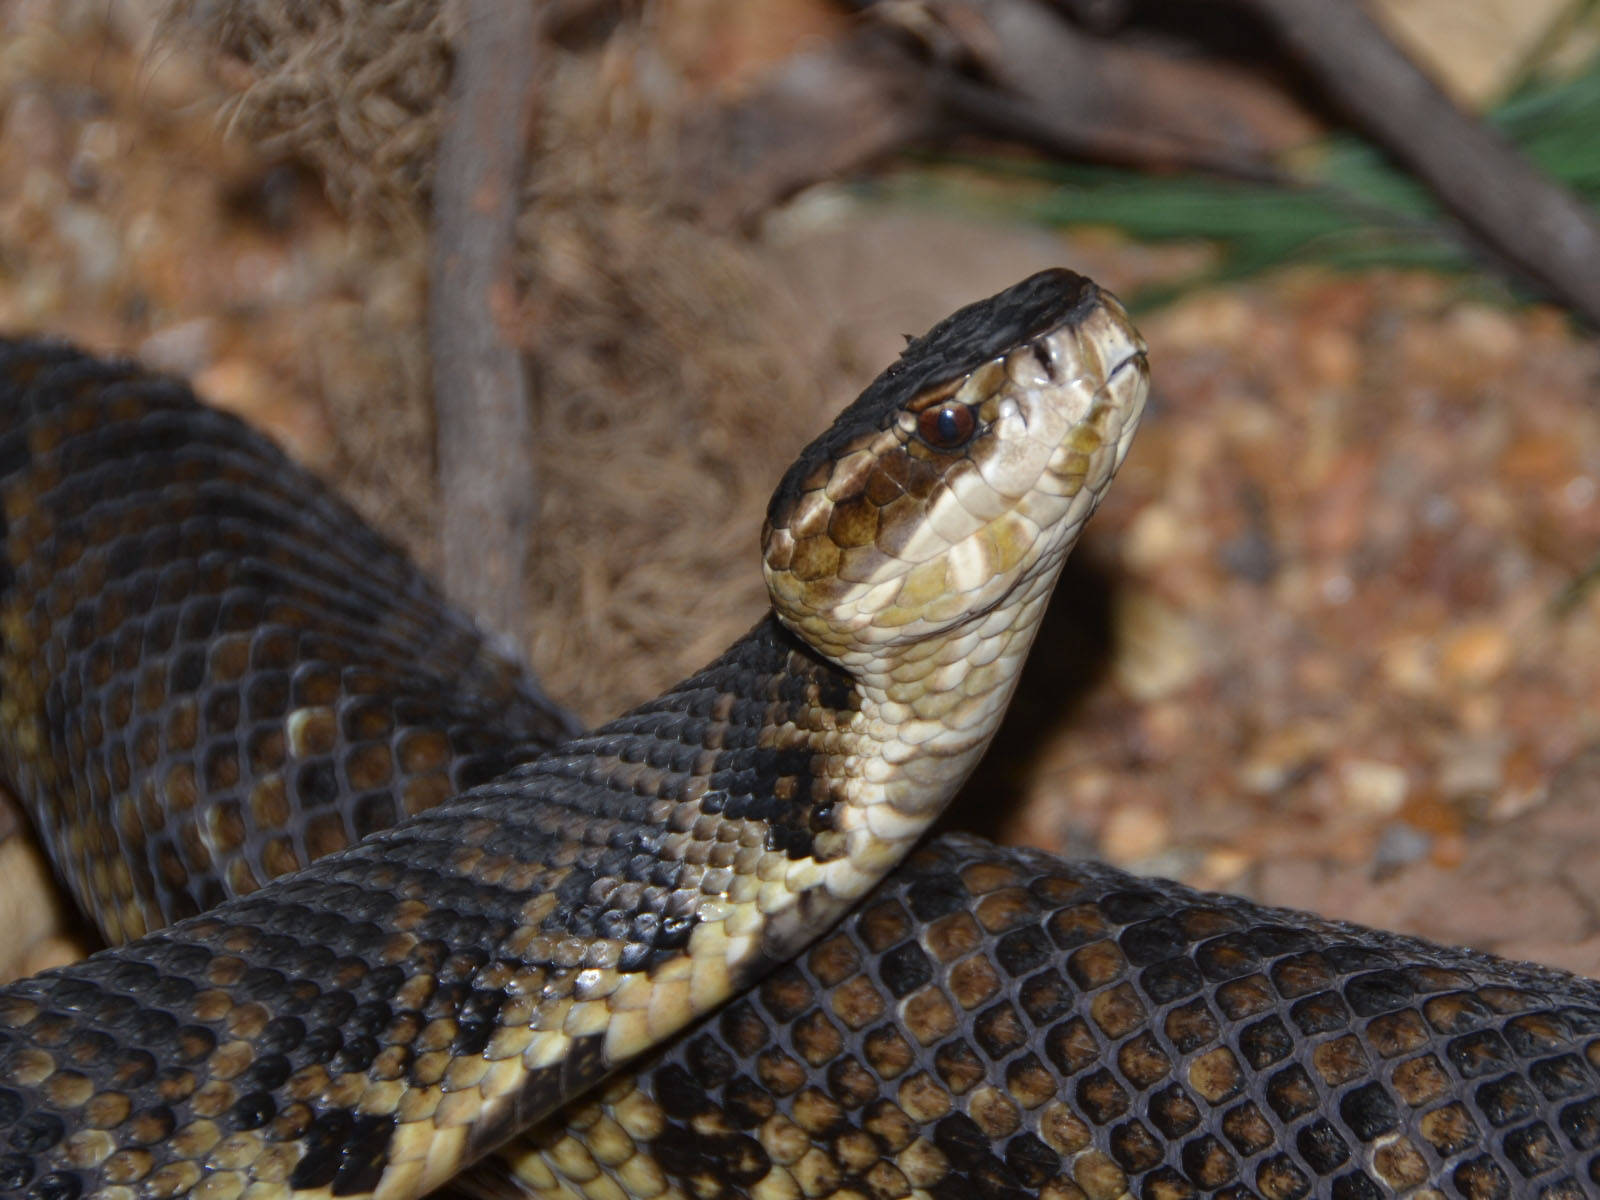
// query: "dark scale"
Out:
[209,628]
[1365,1069]
[161,533]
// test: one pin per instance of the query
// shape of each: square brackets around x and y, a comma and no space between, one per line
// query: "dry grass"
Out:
[351,89]
[663,356]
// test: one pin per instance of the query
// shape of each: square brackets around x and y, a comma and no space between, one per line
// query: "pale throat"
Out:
[924,722]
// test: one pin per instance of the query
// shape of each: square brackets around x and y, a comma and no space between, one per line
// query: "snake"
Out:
[381,919]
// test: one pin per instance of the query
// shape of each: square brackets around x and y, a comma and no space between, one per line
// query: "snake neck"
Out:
[835,769]
[925,717]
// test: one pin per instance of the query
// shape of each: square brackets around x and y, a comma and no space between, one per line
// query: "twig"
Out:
[1544,232]
[1007,68]
[823,113]
[1068,93]
[484,431]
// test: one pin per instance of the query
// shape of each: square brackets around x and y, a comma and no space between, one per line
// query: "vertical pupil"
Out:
[949,425]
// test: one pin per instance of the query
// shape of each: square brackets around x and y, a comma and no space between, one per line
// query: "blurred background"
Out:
[1334,640]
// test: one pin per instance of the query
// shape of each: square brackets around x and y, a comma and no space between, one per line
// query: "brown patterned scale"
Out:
[213,671]
[1001,1024]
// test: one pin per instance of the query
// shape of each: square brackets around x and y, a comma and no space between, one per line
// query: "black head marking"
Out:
[960,343]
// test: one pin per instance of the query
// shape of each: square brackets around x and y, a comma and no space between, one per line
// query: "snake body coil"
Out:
[383,1017]
[211,675]
[1002,1024]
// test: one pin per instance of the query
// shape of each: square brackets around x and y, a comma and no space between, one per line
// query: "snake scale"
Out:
[212,675]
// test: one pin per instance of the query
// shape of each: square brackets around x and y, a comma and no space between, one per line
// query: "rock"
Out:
[1476,654]
[1372,786]
[1133,832]
[1158,649]
[182,349]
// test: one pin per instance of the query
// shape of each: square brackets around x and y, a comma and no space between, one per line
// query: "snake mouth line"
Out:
[1138,356]
[1132,412]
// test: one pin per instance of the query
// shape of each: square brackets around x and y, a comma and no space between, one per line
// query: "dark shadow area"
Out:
[1070,657]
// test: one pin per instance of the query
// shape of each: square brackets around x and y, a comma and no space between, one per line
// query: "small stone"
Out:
[1293,883]
[1166,726]
[1251,556]
[1538,459]
[1476,654]
[1175,862]
[1408,666]
[1473,766]
[1488,334]
[1398,846]
[1480,713]
[1333,357]
[1089,786]
[1159,650]
[1281,754]
[243,388]
[182,349]
[1222,868]
[1449,851]
[1323,674]
[96,243]
[1373,786]
[1206,320]
[1154,538]
[1133,832]
[1339,509]
[1428,812]
[34,127]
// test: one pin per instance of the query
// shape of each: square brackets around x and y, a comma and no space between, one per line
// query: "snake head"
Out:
[957,482]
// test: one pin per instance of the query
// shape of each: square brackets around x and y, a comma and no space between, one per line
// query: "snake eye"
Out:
[946,426]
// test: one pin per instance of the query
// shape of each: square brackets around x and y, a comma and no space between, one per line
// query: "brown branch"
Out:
[484,433]
[1542,230]
[820,115]
[1065,92]
[1006,68]
[1013,68]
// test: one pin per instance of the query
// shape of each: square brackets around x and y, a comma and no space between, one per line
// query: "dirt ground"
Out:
[1326,644]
